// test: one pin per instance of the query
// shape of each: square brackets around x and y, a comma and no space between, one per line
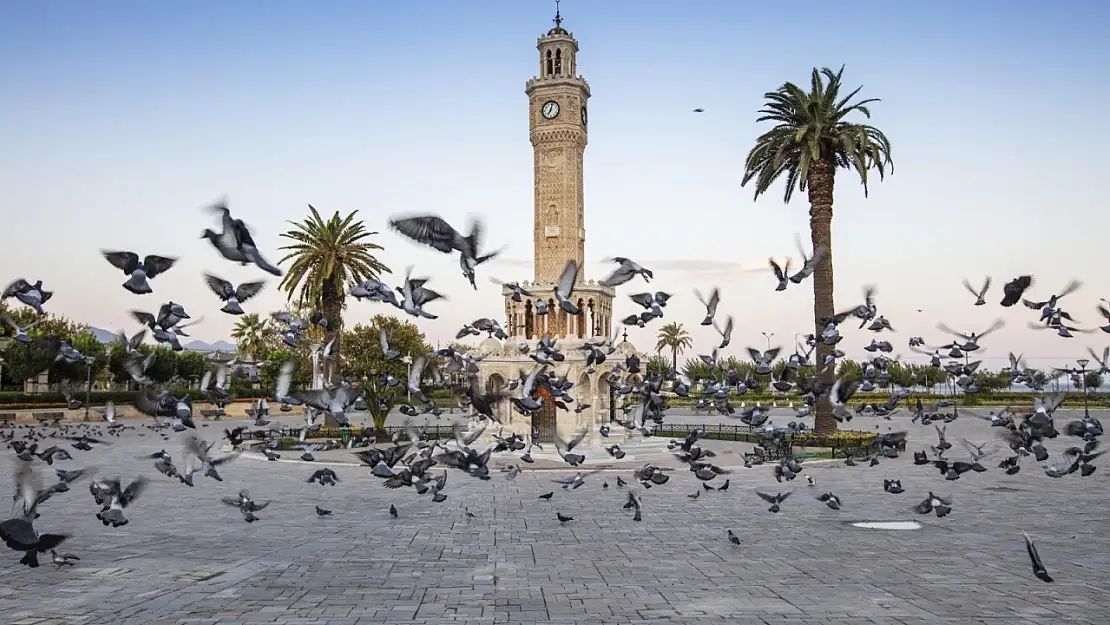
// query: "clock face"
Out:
[583,115]
[550,109]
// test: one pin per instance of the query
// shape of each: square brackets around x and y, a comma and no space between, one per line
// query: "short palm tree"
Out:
[673,337]
[811,139]
[250,335]
[325,259]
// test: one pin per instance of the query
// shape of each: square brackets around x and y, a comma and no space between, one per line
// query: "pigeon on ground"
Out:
[63,559]
[774,500]
[1039,570]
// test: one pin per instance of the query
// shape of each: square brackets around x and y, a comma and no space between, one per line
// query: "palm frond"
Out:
[810,128]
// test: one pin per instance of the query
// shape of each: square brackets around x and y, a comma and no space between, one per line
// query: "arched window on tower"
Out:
[550,66]
[559,62]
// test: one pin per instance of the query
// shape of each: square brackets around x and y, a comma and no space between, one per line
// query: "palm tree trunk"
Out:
[820,181]
[332,304]
[674,361]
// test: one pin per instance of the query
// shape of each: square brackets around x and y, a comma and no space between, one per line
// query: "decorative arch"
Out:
[495,382]
[550,64]
[585,389]
[559,62]
[603,393]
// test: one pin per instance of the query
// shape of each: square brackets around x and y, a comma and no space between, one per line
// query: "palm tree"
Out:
[250,335]
[673,337]
[809,142]
[327,258]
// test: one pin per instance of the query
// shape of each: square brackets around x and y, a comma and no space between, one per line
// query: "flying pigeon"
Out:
[235,242]
[139,272]
[232,296]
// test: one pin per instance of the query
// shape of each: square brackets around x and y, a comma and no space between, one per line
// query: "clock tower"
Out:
[558,119]
[557,122]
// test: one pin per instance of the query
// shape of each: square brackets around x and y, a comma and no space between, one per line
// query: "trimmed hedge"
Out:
[17,400]
[740,433]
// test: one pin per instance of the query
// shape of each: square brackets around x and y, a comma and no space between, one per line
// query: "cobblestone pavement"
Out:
[187,558]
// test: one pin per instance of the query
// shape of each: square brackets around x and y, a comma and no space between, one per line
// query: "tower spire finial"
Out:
[558,18]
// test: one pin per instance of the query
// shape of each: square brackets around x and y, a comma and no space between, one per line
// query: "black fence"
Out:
[433,432]
[841,443]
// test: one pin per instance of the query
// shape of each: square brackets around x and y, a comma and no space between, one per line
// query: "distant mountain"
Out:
[106,337]
[201,346]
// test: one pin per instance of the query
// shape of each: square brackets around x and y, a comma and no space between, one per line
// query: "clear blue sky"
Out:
[120,120]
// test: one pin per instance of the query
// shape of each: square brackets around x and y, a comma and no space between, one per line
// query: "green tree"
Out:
[326,259]
[364,353]
[191,366]
[1092,380]
[697,369]
[249,333]
[164,365]
[25,361]
[380,400]
[86,343]
[461,348]
[992,381]
[271,367]
[675,338]
[848,368]
[811,139]
[117,362]
[658,367]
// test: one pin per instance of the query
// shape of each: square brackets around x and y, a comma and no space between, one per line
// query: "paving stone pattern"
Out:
[187,558]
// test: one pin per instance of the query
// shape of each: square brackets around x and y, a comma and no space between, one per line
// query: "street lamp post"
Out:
[768,336]
[408,361]
[89,362]
[1083,362]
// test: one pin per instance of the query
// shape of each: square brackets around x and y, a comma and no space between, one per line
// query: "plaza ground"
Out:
[187,558]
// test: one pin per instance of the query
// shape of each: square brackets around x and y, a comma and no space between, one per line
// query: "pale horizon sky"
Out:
[122,120]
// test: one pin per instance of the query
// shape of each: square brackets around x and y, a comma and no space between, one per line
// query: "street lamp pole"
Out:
[768,336]
[1083,362]
[89,362]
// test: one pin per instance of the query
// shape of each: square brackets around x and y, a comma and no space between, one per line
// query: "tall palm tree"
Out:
[809,142]
[673,337]
[326,259]
[250,335]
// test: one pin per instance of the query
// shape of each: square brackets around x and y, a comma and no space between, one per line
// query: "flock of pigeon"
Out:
[411,461]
